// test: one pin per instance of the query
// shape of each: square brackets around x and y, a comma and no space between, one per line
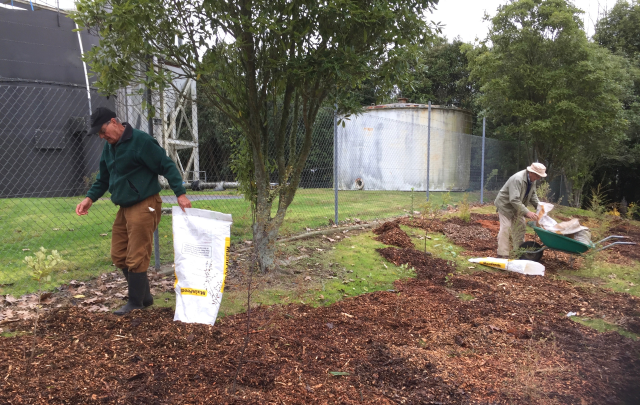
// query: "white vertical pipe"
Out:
[484,125]
[194,128]
[84,65]
[428,148]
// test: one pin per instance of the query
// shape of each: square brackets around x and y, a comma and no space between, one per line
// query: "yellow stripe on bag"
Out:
[193,291]
[227,245]
[491,263]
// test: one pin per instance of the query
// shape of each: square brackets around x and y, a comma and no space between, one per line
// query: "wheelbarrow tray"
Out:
[560,242]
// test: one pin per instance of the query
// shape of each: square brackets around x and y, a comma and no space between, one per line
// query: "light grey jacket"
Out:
[511,201]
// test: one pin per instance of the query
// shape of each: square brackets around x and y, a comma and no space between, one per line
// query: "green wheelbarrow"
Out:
[554,241]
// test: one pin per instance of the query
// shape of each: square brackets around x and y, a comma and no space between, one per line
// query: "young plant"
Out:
[42,267]
[598,201]
[516,236]
[633,211]
[411,202]
[543,191]
[447,279]
[464,209]
[446,200]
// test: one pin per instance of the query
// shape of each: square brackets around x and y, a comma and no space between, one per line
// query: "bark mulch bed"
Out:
[391,234]
[509,341]
[426,266]
[633,232]
[476,239]
[419,344]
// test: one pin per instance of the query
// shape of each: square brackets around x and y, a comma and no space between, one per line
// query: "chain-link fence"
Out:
[383,158]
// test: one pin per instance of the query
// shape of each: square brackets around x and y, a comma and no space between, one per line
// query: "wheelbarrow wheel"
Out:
[533,246]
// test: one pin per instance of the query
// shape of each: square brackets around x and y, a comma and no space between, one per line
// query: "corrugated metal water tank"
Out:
[385,148]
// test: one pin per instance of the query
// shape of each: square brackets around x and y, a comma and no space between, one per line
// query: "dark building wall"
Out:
[34,47]
[44,107]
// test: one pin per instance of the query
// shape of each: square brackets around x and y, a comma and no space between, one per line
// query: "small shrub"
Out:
[43,265]
[614,212]
[633,211]
[464,209]
[446,200]
[430,210]
[543,191]
[598,201]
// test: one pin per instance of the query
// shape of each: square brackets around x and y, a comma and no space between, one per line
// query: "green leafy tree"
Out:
[263,64]
[543,83]
[441,75]
[619,31]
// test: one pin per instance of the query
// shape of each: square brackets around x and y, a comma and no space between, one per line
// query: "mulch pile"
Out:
[473,235]
[419,344]
[425,265]
[508,341]
[629,251]
[391,234]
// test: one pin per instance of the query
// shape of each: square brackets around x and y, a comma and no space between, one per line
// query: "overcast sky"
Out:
[464,17]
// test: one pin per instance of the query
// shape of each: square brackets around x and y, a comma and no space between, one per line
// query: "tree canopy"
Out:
[441,75]
[619,31]
[267,65]
[543,83]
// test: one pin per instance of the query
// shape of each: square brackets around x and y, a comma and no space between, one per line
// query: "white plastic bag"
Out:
[563,228]
[544,220]
[527,267]
[201,241]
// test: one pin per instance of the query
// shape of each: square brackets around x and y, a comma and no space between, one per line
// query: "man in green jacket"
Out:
[129,167]
[511,203]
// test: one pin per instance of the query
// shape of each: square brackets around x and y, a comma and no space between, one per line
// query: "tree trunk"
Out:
[265,233]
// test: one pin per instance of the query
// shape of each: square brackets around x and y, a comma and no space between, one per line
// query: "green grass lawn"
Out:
[26,224]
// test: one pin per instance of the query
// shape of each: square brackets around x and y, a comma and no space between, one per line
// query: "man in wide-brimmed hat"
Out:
[511,203]
[129,167]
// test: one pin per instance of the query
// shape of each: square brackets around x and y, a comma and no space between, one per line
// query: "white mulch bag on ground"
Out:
[201,240]
[527,267]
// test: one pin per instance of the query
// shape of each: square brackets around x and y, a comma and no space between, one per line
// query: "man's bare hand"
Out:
[184,202]
[83,207]
[532,216]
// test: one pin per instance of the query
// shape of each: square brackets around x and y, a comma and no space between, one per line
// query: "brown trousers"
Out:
[132,234]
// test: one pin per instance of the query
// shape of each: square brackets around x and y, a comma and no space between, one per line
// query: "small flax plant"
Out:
[42,267]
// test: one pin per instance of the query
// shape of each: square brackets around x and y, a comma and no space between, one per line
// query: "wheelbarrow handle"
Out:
[612,237]
[615,243]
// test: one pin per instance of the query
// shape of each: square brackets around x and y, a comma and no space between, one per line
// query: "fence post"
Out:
[484,123]
[428,147]
[335,162]
[156,235]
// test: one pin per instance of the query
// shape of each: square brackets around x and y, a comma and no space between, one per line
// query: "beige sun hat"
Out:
[538,168]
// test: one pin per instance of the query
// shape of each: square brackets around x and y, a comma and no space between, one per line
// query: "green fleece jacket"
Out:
[130,168]
[512,201]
